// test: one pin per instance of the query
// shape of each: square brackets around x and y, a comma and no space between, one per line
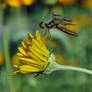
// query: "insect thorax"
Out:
[51,24]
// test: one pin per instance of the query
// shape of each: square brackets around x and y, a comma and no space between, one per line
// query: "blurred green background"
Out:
[22,16]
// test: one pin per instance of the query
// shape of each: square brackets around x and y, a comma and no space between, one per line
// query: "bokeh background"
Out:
[22,16]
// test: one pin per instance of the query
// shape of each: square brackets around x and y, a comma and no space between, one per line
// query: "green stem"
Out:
[65,67]
[7,59]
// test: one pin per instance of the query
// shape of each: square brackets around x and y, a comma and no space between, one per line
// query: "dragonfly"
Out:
[59,23]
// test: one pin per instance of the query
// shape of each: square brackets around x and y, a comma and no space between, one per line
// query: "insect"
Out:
[58,22]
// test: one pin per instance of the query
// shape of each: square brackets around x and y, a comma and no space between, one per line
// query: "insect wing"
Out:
[56,14]
[65,30]
[56,17]
[67,19]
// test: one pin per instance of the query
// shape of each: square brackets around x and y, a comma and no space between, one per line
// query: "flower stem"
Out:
[65,67]
[7,59]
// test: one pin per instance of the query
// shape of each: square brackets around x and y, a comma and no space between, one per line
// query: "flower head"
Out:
[18,3]
[14,3]
[87,3]
[66,2]
[28,2]
[33,55]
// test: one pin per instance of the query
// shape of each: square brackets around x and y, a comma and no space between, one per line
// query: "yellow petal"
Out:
[30,37]
[24,69]
[30,62]
[27,43]
[28,2]
[39,50]
[19,54]
[38,36]
[14,3]
[23,44]
[40,41]
[43,59]
[28,69]
[21,49]
[38,45]
[33,56]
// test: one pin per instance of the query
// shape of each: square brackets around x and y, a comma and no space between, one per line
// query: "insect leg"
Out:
[45,33]
[36,75]
[49,35]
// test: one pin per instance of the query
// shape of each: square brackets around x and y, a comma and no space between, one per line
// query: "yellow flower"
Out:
[33,56]
[18,3]
[59,59]
[28,2]
[66,2]
[84,19]
[14,3]
[1,58]
[87,3]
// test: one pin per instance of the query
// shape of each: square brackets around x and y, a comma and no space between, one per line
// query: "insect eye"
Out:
[42,25]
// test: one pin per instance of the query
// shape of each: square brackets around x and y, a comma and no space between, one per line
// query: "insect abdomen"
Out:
[63,29]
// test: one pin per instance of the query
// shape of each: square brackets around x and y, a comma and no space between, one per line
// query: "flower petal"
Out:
[21,49]
[39,39]
[28,69]
[29,61]
[39,56]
